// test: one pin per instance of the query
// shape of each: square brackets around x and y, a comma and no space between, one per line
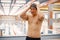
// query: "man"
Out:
[35,20]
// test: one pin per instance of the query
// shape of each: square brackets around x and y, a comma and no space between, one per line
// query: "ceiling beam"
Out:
[12,5]
[1,7]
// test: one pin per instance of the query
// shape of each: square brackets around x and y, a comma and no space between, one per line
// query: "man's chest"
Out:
[33,19]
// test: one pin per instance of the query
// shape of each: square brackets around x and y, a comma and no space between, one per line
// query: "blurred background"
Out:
[9,26]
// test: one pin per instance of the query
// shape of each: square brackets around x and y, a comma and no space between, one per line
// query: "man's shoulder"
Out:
[39,15]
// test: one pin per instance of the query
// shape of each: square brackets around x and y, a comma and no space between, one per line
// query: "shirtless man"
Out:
[34,23]
[35,20]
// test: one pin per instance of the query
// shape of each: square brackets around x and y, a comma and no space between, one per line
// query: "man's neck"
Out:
[35,15]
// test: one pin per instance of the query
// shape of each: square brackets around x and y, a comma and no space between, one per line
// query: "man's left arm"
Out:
[40,15]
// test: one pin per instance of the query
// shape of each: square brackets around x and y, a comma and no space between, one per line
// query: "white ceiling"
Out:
[9,7]
[12,7]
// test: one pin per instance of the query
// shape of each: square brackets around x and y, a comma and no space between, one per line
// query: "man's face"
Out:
[33,10]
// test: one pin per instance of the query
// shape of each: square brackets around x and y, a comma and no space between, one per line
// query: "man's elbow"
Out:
[23,17]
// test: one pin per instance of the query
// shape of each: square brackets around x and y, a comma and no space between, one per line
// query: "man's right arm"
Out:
[25,9]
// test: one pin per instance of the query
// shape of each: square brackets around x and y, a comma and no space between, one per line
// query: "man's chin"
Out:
[32,13]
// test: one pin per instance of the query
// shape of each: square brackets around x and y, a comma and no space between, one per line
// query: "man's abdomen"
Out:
[34,30]
[34,34]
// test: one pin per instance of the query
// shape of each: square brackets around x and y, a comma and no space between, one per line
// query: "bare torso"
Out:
[34,27]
